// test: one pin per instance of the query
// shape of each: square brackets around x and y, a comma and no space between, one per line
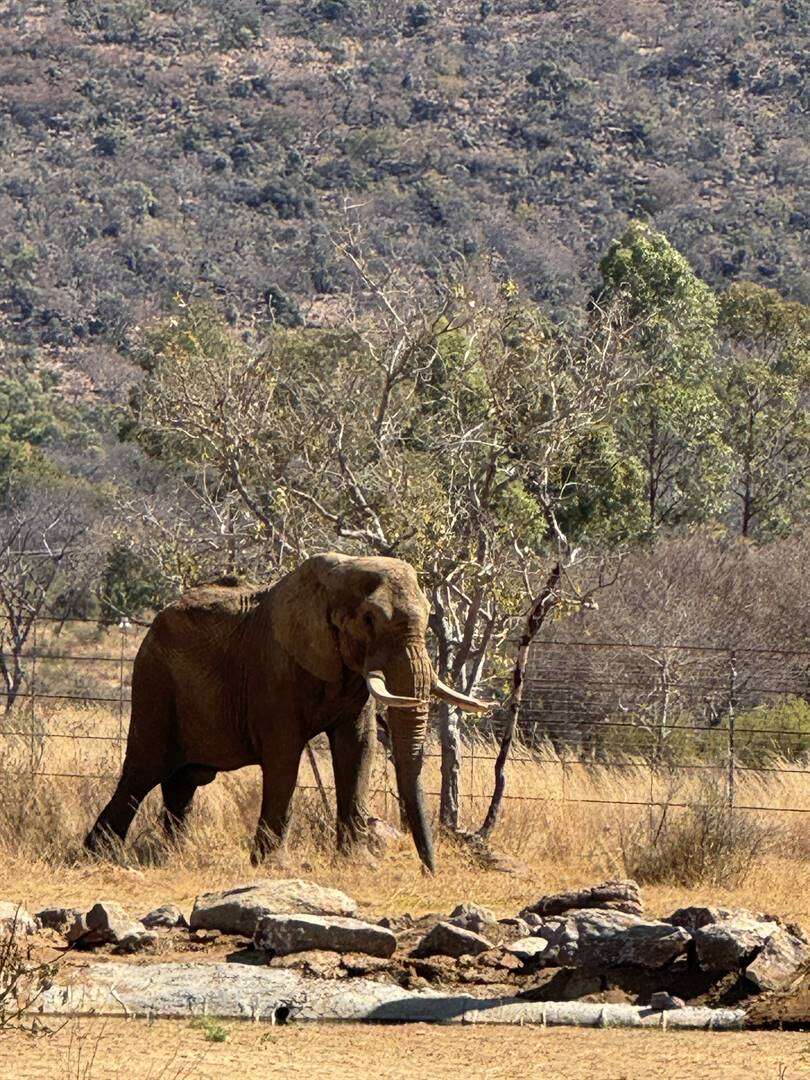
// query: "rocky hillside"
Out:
[149,148]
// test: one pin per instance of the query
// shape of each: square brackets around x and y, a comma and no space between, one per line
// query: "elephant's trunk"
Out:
[409,673]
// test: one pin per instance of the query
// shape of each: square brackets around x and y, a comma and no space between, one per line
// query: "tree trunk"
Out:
[542,605]
[451,766]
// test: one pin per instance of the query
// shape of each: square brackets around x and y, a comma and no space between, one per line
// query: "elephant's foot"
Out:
[102,841]
[359,854]
[268,848]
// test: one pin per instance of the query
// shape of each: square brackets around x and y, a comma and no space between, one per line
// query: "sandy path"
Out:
[133,1050]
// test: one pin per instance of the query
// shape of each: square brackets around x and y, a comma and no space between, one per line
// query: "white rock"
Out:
[528,948]
[238,910]
[242,991]
[779,963]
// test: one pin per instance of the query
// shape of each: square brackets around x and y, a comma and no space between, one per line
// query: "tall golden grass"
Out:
[568,823]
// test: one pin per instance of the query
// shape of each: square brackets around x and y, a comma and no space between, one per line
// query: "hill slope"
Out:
[150,148]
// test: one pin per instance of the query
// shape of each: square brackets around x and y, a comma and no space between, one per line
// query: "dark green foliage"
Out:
[282,308]
[129,585]
[419,15]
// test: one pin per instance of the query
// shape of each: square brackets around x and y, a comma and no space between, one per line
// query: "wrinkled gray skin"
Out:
[229,676]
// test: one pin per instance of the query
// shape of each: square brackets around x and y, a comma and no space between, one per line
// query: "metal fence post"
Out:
[32,689]
[732,688]
[123,625]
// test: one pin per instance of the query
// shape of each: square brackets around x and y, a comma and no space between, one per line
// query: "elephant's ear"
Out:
[301,617]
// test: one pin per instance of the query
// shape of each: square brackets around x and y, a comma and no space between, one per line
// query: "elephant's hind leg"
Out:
[178,794]
[116,817]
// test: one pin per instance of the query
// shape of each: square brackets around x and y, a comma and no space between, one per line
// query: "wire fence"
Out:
[655,715]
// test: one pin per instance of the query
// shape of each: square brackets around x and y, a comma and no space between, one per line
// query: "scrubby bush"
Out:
[705,844]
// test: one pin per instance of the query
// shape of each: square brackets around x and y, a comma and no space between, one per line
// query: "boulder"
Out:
[167,916]
[731,944]
[780,962]
[599,938]
[238,910]
[662,1001]
[445,939]
[618,895]
[284,934]
[528,949]
[106,923]
[478,919]
[14,917]
[57,918]
[696,917]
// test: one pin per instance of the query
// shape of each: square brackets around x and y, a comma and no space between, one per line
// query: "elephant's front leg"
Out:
[279,777]
[352,743]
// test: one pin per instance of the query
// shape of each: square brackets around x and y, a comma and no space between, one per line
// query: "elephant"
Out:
[229,675]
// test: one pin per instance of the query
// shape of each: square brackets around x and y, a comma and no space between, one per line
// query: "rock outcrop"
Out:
[599,939]
[618,895]
[238,910]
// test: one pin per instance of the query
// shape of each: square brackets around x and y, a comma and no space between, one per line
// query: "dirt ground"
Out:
[135,1050]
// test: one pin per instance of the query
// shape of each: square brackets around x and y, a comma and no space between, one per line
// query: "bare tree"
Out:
[41,528]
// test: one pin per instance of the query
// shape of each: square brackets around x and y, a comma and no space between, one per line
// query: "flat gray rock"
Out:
[238,910]
[241,991]
[614,895]
[445,939]
[284,934]
[166,917]
[731,944]
[593,938]
[782,959]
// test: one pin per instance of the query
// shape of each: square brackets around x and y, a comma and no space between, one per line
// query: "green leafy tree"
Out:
[764,385]
[671,423]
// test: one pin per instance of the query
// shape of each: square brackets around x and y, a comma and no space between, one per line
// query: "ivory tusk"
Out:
[447,693]
[375,680]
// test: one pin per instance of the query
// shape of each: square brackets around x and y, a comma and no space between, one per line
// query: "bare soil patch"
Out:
[115,1049]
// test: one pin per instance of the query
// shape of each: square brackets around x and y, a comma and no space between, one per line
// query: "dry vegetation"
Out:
[560,820]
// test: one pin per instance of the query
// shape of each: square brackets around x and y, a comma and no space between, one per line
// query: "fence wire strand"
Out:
[596,704]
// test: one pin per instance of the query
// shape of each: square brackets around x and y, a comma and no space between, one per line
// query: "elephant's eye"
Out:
[368,619]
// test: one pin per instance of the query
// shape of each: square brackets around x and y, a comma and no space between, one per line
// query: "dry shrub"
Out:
[706,843]
[21,980]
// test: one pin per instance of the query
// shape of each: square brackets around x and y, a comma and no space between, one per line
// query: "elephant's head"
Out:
[370,616]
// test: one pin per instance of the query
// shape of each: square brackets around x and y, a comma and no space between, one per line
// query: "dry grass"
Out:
[565,841]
